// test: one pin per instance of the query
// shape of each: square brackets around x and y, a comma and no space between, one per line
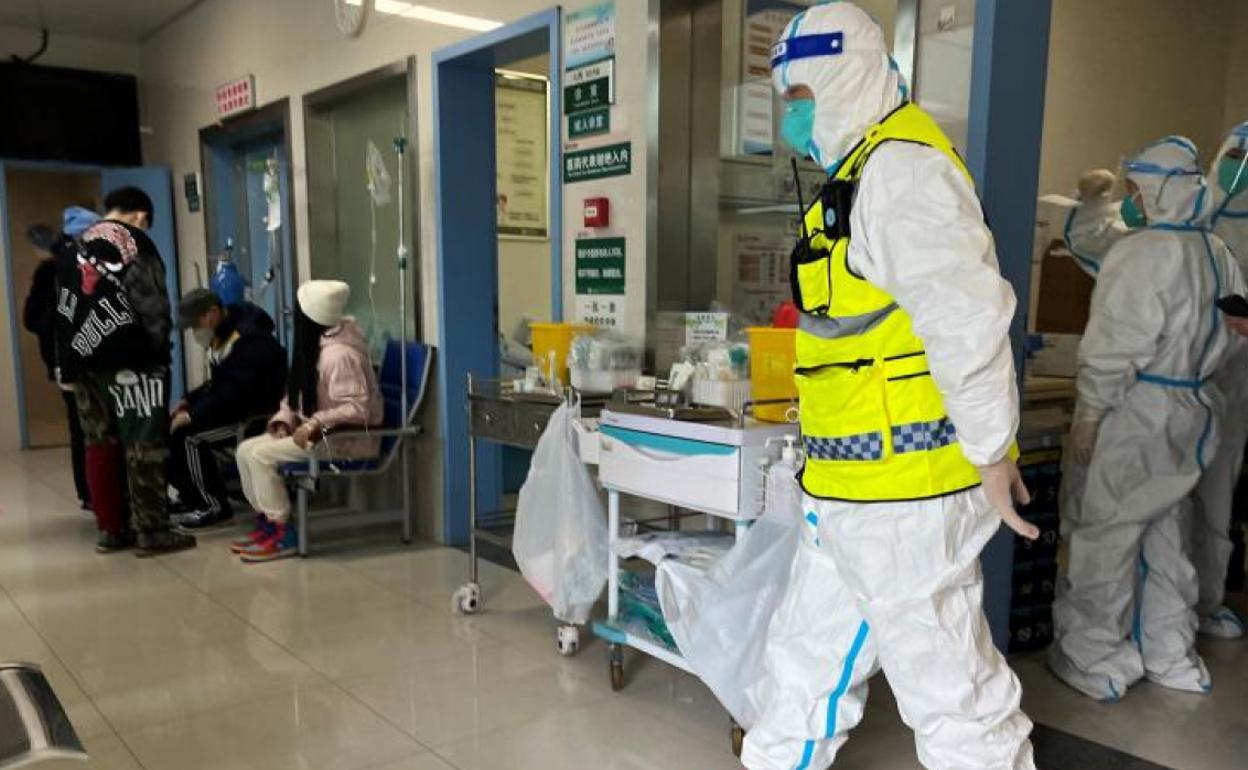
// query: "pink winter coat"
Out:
[347,395]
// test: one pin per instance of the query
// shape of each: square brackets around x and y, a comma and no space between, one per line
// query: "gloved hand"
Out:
[1083,440]
[1003,484]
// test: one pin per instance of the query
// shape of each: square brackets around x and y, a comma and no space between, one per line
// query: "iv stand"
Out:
[400,148]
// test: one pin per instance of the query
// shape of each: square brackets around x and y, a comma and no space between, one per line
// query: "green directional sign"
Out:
[595,121]
[600,266]
[598,162]
[585,96]
[585,88]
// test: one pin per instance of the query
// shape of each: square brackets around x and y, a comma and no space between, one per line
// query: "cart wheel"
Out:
[738,739]
[466,600]
[569,640]
[617,668]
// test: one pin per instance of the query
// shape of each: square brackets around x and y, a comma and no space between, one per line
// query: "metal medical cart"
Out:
[706,467]
[499,414]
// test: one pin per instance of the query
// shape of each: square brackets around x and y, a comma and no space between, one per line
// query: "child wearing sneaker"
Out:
[331,386]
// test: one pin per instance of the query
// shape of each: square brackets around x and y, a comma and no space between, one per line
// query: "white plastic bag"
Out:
[560,541]
[719,617]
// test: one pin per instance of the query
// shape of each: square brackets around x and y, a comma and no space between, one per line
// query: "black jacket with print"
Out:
[113,311]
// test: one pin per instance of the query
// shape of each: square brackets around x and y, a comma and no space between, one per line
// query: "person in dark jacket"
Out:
[248,379]
[114,325]
[39,318]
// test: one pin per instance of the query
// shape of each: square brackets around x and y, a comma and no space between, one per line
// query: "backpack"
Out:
[96,328]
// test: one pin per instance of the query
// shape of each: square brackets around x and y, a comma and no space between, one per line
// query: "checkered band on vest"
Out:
[864,446]
[923,436]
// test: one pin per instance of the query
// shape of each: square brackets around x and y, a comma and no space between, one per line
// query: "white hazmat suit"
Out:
[1145,415]
[1211,544]
[1092,229]
[898,585]
[1095,225]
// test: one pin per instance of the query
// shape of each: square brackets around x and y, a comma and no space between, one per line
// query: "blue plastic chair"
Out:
[397,433]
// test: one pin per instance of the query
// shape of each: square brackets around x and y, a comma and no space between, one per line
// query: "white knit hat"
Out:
[324,301]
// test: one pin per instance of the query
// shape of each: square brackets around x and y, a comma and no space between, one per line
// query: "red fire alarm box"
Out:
[597,212]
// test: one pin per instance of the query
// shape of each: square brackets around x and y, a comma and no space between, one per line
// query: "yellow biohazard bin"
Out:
[554,339]
[772,353]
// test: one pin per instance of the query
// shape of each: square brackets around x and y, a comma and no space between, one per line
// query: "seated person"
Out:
[332,386]
[248,379]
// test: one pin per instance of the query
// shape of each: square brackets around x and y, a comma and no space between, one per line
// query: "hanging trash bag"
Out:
[719,616]
[560,540]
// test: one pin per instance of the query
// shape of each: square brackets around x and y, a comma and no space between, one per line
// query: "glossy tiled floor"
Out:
[352,660]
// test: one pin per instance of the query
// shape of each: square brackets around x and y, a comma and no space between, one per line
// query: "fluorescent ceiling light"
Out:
[406,10]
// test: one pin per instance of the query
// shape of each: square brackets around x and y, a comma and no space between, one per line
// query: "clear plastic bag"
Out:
[719,617]
[560,541]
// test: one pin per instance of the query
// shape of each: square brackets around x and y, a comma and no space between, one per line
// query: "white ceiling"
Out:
[121,20]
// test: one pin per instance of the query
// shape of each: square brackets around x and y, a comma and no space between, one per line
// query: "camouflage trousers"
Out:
[131,408]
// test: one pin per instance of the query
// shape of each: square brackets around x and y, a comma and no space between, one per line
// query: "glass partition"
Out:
[354,200]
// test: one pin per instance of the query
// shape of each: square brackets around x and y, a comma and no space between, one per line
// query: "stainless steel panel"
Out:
[704,119]
[492,419]
[675,63]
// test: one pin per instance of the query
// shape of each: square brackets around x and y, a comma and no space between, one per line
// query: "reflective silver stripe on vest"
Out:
[829,328]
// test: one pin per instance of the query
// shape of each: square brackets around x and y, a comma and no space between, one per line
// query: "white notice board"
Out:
[521,140]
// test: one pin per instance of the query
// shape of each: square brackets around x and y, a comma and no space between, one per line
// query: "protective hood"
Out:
[1171,184]
[1237,205]
[838,51]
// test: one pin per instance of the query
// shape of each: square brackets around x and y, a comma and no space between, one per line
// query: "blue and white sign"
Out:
[588,35]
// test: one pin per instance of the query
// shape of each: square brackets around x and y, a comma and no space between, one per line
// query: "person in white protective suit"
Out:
[1095,225]
[1092,228]
[1211,545]
[1145,426]
[888,575]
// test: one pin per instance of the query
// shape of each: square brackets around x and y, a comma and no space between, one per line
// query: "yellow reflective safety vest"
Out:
[873,423]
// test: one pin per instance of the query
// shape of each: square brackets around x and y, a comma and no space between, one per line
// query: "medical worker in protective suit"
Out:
[1095,225]
[1211,544]
[1092,228]
[1145,424]
[908,413]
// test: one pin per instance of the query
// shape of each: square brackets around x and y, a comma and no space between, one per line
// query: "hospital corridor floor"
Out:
[352,659]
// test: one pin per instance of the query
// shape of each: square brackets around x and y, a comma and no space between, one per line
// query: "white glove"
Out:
[1083,440]
[1003,484]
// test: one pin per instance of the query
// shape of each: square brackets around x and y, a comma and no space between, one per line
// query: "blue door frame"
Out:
[246,227]
[229,213]
[157,182]
[1008,71]
[463,146]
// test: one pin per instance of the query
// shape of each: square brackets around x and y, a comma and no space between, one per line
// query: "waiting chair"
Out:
[33,724]
[398,432]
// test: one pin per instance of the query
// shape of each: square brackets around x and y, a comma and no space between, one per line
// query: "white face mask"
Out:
[203,337]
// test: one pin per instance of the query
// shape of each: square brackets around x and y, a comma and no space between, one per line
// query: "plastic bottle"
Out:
[227,283]
[784,495]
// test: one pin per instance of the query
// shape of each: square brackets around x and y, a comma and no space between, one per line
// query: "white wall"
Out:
[523,281]
[71,51]
[1125,72]
[628,195]
[1237,69]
